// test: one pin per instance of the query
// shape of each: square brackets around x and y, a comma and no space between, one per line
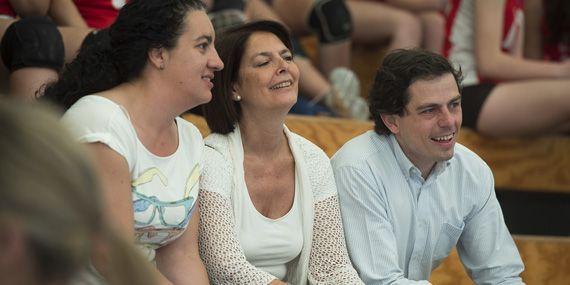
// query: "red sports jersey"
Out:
[459,44]
[558,52]
[6,9]
[99,14]
[553,51]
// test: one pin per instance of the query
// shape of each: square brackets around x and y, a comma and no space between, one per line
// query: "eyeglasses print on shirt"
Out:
[169,212]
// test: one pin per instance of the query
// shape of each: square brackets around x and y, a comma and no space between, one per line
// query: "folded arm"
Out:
[494,63]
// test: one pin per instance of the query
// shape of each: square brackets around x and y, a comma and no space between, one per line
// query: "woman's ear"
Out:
[158,57]
[235,93]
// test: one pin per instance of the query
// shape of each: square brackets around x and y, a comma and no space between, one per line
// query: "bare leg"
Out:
[526,108]
[312,83]
[433,31]
[341,94]
[375,22]
[334,55]
[72,39]
[533,12]
[295,14]
[259,10]
[25,82]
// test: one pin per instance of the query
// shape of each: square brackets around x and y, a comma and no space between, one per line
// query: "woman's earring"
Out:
[237,98]
[161,67]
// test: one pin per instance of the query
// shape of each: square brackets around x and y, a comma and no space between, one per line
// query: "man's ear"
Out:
[158,57]
[391,122]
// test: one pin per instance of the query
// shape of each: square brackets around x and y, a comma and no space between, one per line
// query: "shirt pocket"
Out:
[447,239]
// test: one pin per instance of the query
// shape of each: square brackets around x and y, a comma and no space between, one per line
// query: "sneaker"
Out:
[344,97]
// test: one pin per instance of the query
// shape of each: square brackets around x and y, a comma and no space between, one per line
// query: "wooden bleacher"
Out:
[524,164]
[520,164]
[546,260]
[541,163]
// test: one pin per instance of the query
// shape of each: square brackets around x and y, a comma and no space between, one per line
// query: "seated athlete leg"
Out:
[526,108]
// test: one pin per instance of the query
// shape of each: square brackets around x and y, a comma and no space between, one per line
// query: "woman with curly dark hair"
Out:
[124,93]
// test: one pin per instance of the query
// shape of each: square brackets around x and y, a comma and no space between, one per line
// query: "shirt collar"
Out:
[407,167]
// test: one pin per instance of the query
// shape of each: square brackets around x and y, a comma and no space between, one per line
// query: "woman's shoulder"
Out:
[217,166]
[318,168]
[218,142]
[217,150]
[189,130]
[93,105]
[309,148]
[96,114]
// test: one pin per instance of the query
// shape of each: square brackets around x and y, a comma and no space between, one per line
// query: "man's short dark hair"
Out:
[401,68]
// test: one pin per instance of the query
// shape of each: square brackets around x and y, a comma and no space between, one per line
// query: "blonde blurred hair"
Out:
[48,189]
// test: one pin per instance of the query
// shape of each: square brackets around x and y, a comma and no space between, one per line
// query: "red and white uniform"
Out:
[99,14]
[6,10]
[460,35]
[554,51]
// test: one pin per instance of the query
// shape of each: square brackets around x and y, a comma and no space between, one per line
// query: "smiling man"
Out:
[409,192]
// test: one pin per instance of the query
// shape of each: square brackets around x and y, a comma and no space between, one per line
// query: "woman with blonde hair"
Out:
[50,206]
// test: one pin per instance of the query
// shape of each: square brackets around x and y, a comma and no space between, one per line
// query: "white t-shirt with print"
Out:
[164,189]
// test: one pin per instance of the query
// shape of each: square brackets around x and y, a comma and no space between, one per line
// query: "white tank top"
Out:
[459,44]
[269,244]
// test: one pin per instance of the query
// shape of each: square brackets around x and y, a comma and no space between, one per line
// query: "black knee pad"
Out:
[32,42]
[330,19]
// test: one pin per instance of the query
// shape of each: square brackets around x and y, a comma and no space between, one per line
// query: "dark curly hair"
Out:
[119,54]
[400,69]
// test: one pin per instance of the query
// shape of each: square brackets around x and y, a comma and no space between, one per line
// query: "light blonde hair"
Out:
[48,188]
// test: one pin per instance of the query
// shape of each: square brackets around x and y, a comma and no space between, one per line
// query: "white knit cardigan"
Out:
[323,258]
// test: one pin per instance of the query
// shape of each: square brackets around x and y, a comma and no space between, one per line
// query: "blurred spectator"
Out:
[336,85]
[124,93]
[547,29]
[406,23]
[321,92]
[99,14]
[33,47]
[504,94]
[51,219]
